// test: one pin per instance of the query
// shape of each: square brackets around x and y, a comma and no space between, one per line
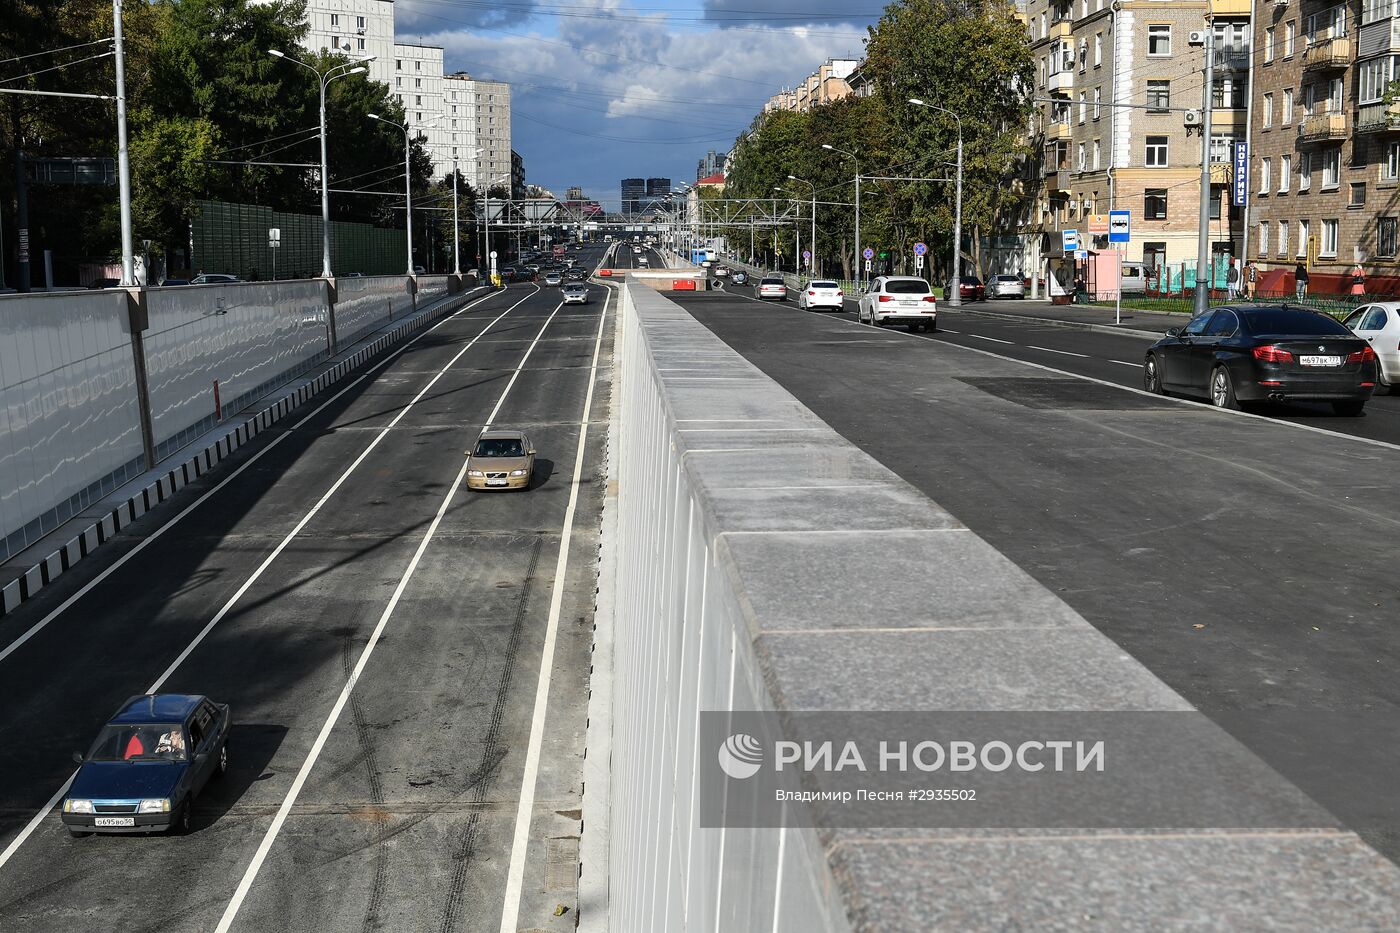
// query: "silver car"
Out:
[1006,286]
[772,287]
[575,294]
[1379,323]
[553,279]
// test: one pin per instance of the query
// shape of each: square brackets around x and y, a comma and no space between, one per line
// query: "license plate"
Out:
[1320,360]
[116,821]
[495,482]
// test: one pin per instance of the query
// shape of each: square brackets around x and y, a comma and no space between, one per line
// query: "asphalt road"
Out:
[388,801]
[1243,559]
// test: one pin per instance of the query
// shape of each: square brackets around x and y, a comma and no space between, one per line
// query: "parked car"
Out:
[168,283]
[501,459]
[821,293]
[970,288]
[899,299]
[575,294]
[147,766]
[419,270]
[214,278]
[772,286]
[1237,355]
[1379,325]
[740,277]
[1006,286]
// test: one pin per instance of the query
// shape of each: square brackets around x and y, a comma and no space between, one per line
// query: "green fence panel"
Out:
[232,238]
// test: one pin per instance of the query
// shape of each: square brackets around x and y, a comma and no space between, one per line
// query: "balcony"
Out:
[1061,29]
[1061,82]
[1058,130]
[1378,118]
[1057,179]
[1229,7]
[1327,54]
[1323,127]
[1221,173]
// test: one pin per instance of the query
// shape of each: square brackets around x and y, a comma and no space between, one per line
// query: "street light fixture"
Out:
[854,156]
[813,247]
[955,299]
[407,178]
[324,78]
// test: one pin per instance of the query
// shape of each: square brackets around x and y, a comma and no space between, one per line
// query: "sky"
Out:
[613,89]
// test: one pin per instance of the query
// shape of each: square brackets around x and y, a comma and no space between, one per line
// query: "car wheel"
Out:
[185,821]
[1151,378]
[1222,390]
[78,833]
[223,761]
[1348,409]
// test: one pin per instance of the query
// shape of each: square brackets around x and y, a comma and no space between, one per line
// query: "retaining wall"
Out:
[363,303]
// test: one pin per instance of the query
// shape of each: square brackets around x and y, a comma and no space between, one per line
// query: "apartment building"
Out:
[1113,82]
[827,84]
[354,27]
[493,130]
[418,84]
[1325,171]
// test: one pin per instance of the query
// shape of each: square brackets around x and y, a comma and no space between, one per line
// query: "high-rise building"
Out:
[357,28]
[483,123]
[1140,155]
[658,188]
[634,193]
[517,176]
[418,85]
[712,162]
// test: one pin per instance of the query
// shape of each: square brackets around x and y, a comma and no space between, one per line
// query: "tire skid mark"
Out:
[378,813]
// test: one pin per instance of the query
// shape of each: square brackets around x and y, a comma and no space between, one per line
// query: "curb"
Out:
[175,478]
[1055,322]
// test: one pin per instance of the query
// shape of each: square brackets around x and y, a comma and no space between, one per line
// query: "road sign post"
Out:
[274,240]
[869,255]
[1119,234]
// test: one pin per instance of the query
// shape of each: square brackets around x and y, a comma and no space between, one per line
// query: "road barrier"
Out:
[762,562]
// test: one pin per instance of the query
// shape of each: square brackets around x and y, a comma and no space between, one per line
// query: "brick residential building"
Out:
[1139,155]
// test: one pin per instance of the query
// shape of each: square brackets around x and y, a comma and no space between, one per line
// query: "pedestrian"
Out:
[1251,279]
[1300,281]
[1232,280]
[1358,281]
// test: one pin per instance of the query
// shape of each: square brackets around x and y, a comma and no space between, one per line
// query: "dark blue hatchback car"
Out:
[148,764]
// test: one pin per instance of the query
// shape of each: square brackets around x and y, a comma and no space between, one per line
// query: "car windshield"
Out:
[148,742]
[907,287]
[499,447]
[822,285]
[1292,322]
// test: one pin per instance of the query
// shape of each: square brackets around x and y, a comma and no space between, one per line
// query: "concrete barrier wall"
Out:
[431,287]
[369,302]
[742,579]
[70,425]
[247,336]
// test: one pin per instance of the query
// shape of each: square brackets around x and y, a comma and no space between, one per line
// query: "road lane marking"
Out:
[29,827]
[515,875]
[993,339]
[251,873]
[1124,363]
[1061,352]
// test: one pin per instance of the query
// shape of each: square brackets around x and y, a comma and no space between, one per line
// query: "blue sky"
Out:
[608,90]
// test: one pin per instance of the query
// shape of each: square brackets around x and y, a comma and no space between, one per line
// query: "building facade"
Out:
[418,84]
[830,82]
[634,192]
[712,162]
[1119,100]
[517,176]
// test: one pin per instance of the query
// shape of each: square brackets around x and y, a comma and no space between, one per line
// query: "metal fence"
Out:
[233,238]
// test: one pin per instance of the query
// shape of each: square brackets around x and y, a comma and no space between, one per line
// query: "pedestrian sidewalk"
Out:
[1088,317]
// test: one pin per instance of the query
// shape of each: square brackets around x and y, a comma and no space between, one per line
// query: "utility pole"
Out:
[456,226]
[1203,270]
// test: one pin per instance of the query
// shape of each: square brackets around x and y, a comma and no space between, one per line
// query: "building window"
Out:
[1227,94]
[1305,161]
[1285,173]
[1386,229]
[335,20]
[1309,98]
[1098,101]
[1268,115]
[1372,10]
[398,64]
[1079,157]
[1290,31]
[1217,198]
[359,22]
[1154,255]
[1357,198]
[1373,77]
[1083,108]
[1264,238]
[1097,148]
[1159,40]
[1329,238]
[1328,24]
[1154,204]
[1098,49]
[1286,115]
[1283,238]
[1222,147]
[454,108]
[1159,96]
[1331,169]
[418,116]
[1156,152]
[1083,55]
[360,43]
[1390,168]
[417,100]
[398,82]
[1266,169]
[1303,237]
[1268,45]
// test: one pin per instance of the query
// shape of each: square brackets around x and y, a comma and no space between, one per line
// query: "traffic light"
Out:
[884,254]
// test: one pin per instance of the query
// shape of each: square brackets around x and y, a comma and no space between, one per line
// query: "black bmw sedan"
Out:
[1236,355]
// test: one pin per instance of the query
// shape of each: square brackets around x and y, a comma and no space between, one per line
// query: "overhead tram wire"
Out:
[66,48]
[41,71]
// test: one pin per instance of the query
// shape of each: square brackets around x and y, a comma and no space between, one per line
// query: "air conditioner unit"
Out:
[1191,118]
[1197,37]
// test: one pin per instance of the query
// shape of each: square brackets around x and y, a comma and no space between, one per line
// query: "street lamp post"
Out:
[324,78]
[813,242]
[854,157]
[956,298]
[456,226]
[407,179]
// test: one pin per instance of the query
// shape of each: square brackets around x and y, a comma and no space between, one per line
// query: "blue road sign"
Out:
[920,249]
[1119,226]
[868,253]
[1241,174]
[1070,240]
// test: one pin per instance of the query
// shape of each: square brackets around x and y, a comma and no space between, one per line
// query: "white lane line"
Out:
[491,418]
[1061,352]
[172,522]
[29,827]
[993,339]
[947,331]
[251,873]
[1125,363]
[515,875]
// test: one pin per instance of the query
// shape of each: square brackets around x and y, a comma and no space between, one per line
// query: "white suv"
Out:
[899,299]
[821,293]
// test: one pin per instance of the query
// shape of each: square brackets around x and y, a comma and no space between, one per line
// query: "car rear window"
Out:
[1292,322]
[773,282]
[907,287]
[822,285]
[1007,278]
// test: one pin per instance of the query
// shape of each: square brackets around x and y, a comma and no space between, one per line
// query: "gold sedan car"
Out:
[501,459]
